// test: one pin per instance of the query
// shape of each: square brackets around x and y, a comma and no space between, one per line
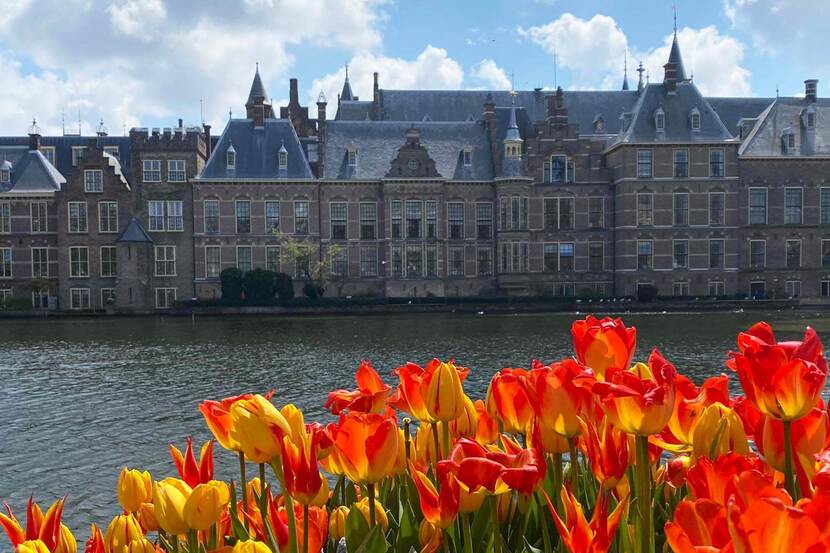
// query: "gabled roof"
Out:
[31,172]
[134,232]
[786,115]
[377,144]
[63,148]
[732,110]
[256,152]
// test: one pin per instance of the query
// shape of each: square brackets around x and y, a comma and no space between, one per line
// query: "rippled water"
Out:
[82,398]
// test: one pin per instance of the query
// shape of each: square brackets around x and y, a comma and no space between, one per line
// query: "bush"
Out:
[312,291]
[647,293]
[16,304]
[231,284]
[284,286]
[259,286]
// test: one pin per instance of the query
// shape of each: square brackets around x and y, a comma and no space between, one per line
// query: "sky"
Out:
[149,62]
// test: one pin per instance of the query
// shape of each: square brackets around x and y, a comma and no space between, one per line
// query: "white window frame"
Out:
[40,274]
[800,207]
[85,212]
[218,215]
[105,206]
[79,249]
[114,261]
[93,185]
[723,205]
[207,264]
[5,217]
[77,154]
[165,259]
[637,209]
[154,167]
[723,252]
[244,247]
[764,264]
[52,153]
[169,217]
[82,292]
[165,291]
[45,221]
[114,151]
[171,172]
[800,252]
[154,218]
[6,268]
[749,205]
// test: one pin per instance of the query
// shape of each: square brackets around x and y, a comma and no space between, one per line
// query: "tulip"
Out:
[719,430]
[604,344]
[304,434]
[250,546]
[121,531]
[217,415]
[607,450]
[698,525]
[146,517]
[190,471]
[496,471]
[444,393]
[466,425]
[508,401]
[487,428]
[139,546]
[808,438]
[95,543]
[46,528]
[337,522]
[413,392]
[32,546]
[257,427]
[580,536]
[134,488]
[425,446]
[370,396]
[169,498]
[710,479]
[381,518]
[66,541]
[366,446]
[205,505]
[688,407]
[546,439]
[557,400]
[430,537]
[302,474]
[312,538]
[439,509]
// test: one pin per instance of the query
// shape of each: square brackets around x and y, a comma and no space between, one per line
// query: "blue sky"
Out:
[149,62]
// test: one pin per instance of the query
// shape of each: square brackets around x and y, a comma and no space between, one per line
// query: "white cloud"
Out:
[488,72]
[128,60]
[593,50]
[431,69]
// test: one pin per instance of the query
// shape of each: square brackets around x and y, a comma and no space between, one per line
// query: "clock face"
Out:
[412,164]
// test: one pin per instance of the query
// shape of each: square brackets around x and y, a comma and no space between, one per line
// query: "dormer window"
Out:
[5,173]
[694,119]
[282,157]
[230,158]
[811,120]
[660,120]
[599,124]
[468,157]
[788,141]
[351,157]
[625,119]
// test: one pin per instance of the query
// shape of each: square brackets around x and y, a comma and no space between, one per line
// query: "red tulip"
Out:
[192,472]
[711,479]
[430,394]
[581,536]
[496,471]
[366,446]
[46,528]
[808,437]
[370,396]
[303,481]
[508,400]
[439,508]
[698,526]
[607,449]
[95,543]
[603,344]
[557,400]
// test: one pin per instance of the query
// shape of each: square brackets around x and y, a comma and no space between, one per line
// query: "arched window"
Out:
[694,119]
[660,120]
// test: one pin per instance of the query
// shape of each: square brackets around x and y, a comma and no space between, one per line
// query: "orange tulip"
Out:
[46,528]
[508,400]
[370,396]
[430,537]
[710,479]
[698,526]
[466,425]
[95,543]
[604,344]
[366,446]
[217,415]
[558,401]
[719,430]
[424,399]
[495,471]
[783,379]
[607,449]
[808,437]
[257,428]
[487,428]
[547,440]
[192,472]
[688,408]
[318,526]
[302,473]
[638,401]
[439,509]
[580,536]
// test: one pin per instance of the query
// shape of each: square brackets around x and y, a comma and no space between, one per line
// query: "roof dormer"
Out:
[282,158]
[808,117]
[599,124]
[660,120]
[230,158]
[694,119]
[5,172]
[789,142]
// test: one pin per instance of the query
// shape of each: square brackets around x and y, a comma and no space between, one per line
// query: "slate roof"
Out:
[346,93]
[677,59]
[377,144]
[353,111]
[732,110]
[256,152]
[786,115]
[257,89]
[31,172]
[677,108]
[63,148]
[134,232]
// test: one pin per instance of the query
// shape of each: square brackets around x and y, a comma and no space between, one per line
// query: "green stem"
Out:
[445,426]
[557,480]
[276,466]
[371,489]
[263,497]
[573,471]
[645,519]
[174,542]
[305,528]
[789,473]
[437,442]
[406,437]
[193,541]
[244,480]
[494,504]
[543,522]
[468,534]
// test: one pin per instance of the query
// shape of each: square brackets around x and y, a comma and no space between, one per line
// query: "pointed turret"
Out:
[675,72]
[513,127]
[346,95]
[257,89]
[258,107]
[625,72]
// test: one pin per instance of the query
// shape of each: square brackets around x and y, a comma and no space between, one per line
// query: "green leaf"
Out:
[375,542]
[408,533]
[357,530]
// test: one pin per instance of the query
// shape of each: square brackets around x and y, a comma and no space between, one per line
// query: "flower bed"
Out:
[594,453]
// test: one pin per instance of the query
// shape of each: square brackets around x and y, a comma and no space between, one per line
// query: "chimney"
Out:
[490,121]
[181,124]
[811,90]
[321,135]
[375,88]
[293,96]
[207,140]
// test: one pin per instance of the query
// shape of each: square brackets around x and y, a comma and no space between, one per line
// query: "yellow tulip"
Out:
[430,536]
[122,530]
[206,504]
[66,541]
[32,546]
[139,546]
[380,513]
[445,394]
[719,430]
[251,546]
[134,488]
[337,522]
[256,426]
[465,425]
[146,516]
[169,498]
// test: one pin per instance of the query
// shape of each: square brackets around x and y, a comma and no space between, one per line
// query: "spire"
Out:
[640,83]
[257,94]
[512,127]
[675,72]
[625,71]
[347,95]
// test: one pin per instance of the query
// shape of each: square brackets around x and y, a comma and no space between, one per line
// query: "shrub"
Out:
[284,286]
[313,291]
[259,286]
[231,284]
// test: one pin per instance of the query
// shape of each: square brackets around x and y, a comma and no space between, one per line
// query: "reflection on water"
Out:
[82,398]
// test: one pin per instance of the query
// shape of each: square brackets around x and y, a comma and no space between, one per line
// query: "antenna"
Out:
[63,122]
[202,110]
[512,81]
[79,122]
[347,71]
[230,113]
[674,7]
[555,84]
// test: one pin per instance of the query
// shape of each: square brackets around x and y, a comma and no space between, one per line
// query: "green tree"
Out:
[313,264]
[231,279]
[259,286]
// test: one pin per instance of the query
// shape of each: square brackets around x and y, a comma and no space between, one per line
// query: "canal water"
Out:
[81,398]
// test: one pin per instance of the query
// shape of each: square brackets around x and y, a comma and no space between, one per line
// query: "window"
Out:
[49,153]
[165,298]
[757,289]
[694,119]
[77,217]
[551,257]
[484,220]
[79,262]
[757,206]
[484,261]
[596,212]
[825,288]
[243,258]
[414,261]
[300,217]
[680,288]
[243,216]
[551,215]
[165,261]
[107,217]
[716,288]
[716,163]
[109,261]
[660,120]
[175,170]
[38,221]
[644,254]
[213,261]
[681,254]
[340,261]
[273,259]
[151,169]
[79,298]
[789,139]
[566,256]
[211,208]
[302,264]
[230,159]
[681,208]
[792,288]
[432,217]
[396,212]
[792,206]
[351,157]
[368,261]
[757,254]
[566,213]
[716,253]
[596,257]
[155,215]
[455,261]
[793,253]
[414,215]
[681,163]
[716,208]
[5,262]
[369,223]
[559,168]
[468,157]
[272,216]
[113,151]
[455,220]
[338,212]
[825,205]
[282,159]
[825,254]
[77,154]
[107,296]
[397,262]
[93,180]
[564,290]
[432,260]
[40,262]
[644,165]
[5,217]
[175,221]
[645,209]
[513,257]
